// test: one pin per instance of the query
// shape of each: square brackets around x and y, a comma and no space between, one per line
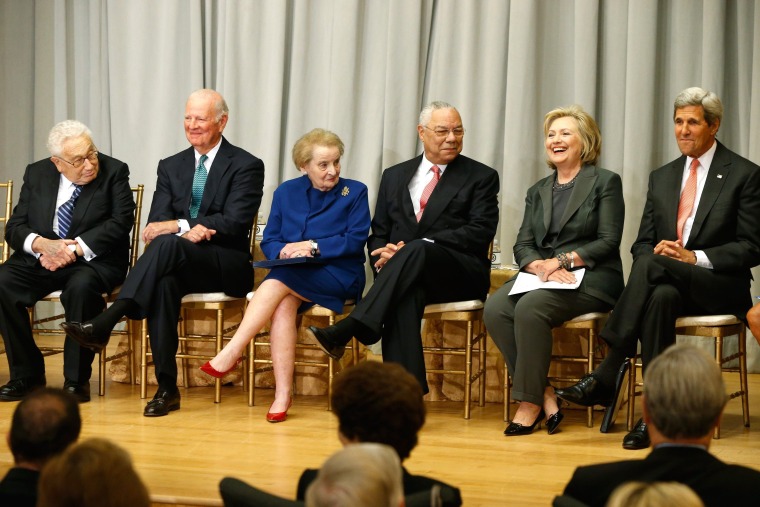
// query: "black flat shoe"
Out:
[16,389]
[638,438]
[515,429]
[588,392]
[326,342]
[84,334]
[552,422]
[79,390]
[162,403]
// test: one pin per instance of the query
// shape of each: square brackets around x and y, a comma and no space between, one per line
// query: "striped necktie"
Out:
[199,182]
[428,190]
[66,212]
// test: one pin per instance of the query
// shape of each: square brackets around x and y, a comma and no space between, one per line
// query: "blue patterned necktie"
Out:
[66,212]
[199,182]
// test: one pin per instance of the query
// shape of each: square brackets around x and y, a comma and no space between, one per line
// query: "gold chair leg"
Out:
[482,343]
[468,370]
[144,359]
[743,374]
[219,341]
[631,392]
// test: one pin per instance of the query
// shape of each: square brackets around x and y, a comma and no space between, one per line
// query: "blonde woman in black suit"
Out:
[573,219]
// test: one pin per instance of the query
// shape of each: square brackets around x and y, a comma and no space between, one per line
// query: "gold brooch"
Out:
[344,192]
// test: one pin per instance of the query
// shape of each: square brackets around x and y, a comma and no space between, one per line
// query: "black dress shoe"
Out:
[16,389]
[588,392]
[552,422]
[80,390]
[638,438]
[162,403]
[84,334]
[326,342]
[515,429]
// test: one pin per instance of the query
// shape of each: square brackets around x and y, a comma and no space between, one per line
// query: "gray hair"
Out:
[427,111]
[696,96]
[366,474]
[62,132]
[654,494]
[220,105]
[684,392]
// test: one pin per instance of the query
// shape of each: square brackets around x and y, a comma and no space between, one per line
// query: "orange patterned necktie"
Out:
[429,190]
[688,195]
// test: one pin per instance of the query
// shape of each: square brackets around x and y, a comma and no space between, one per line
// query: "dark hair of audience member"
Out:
[44,423]
[92,473]
[379,402]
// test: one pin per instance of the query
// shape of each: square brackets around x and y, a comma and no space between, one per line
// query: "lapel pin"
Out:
[720,176]
[344,192]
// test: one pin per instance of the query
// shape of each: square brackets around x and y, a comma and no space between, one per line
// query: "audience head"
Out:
[93,473]
[587,130]
[379,402]
[317,154]
[653,494]
[441,132]
[697,114]
[684,393]
[44,423]
[365,474]
[72,151]
[206,115]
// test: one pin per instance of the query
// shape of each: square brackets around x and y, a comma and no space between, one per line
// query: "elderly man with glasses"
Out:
[69,232]
[434,220]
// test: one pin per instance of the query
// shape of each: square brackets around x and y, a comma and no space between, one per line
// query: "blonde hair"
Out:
[93,473]
[303,150]
[653,494]
[591,137]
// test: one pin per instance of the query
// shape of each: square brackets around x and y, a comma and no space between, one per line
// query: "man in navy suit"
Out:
[684,396]
[69,232]
[434,220]
[198,233]
[698,239]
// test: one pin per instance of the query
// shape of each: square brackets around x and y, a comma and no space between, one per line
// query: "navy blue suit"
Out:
[102,217]
[338,220]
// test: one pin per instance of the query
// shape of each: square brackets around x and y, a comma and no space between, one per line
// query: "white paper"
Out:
[527,282]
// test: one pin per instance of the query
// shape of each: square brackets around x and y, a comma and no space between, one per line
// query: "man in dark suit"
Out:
[684,396]
[698,239]
[69,232]
[44,424]
[434,220]
[198,228]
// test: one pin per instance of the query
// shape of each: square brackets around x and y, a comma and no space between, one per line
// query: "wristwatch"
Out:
[314,248]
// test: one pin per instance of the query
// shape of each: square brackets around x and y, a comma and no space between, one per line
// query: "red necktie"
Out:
[688,195]
[428,190]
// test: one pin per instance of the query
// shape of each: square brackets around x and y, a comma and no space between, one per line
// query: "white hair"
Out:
[62,132]
[427,111]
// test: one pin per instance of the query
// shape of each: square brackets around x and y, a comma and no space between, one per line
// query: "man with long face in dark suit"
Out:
[69,232]
[434,220]
[198,234]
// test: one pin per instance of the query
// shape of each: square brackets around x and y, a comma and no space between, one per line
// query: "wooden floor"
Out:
[183,456]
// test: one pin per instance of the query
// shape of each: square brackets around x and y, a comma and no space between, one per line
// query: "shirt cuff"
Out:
[184,226]
[28,245]
[88,254]
[702,260]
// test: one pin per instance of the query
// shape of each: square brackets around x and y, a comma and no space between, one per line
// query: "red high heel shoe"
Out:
[275,417]
[210,370]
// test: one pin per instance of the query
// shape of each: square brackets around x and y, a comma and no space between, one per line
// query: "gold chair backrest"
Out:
[4,218]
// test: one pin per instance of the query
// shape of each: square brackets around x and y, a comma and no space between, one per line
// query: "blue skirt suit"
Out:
[338,220]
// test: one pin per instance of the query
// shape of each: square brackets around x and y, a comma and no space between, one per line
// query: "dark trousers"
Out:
[21,286]
[169,268]
[521,327]
[660,290]
[419,274]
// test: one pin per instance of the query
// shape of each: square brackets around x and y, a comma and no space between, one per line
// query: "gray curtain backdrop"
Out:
[364,69]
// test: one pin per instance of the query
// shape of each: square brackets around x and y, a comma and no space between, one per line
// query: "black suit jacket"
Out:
[462,212]
[19,487]
[230,202]
[726,225]
[715,482]
[103,215]
[412,484]
[591,225]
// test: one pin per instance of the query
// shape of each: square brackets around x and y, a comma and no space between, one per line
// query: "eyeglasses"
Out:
[79,162]
[443,133]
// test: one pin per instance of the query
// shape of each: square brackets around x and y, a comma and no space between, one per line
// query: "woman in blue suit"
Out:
[317,215]
[573,218]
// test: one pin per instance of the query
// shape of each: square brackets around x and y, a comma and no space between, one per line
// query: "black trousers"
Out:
[660,290]
[169,268]
[21,286]
[419,274]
